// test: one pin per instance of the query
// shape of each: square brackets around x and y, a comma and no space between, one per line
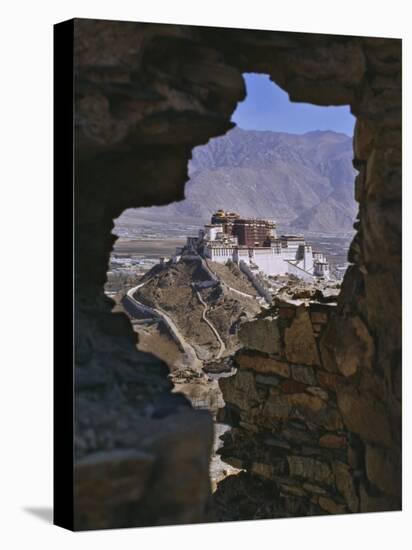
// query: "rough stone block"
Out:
[318,392]
[291,386]
[364,416]
[333,441]
[317,329]
[346,345]
[260,335]
[378,184]
[331,506]
[313,488]
[374,384]
[303,374]
[327,62]
[240,389]
[310,450]
[277,442]
[300,343]
[365,131]
[301,437]
[315,410]
[383,470]
[345,485]
[360,181]
[248,427]
[319,92]
[292,490]
[319,317]
[267,380]
[244,381]
[374,503]
[327,345]
[385,305]
[277,407]
[287,312]
[263,470]
[382,245]
[327,379]
[262,364]
[106,480]
[310,469]
[234,461]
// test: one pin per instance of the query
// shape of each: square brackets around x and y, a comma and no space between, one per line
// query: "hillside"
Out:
[171,290]
[304,181]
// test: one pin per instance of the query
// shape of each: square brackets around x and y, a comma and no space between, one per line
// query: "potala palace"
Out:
[255,243]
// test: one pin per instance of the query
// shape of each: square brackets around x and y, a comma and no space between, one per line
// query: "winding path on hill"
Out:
[238,291]
[225,285]
[131,304]
[210,325]
[134,306]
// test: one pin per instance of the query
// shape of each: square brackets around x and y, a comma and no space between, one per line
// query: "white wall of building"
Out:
[321,269]
[269,262]
[219,254]
[308,259]
[296,257]
[295,270]
[212,231]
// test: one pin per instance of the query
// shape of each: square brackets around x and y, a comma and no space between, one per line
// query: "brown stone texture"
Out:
[327,380]
[291,490]
[317,329]
[264,470]
[277,407]
[242,392]
[383,470]
[331,506]
[371,502]
[347,346]
[315,410]
[291,386]
[319,317]
[300,344]
[146,94]
[260,335]
[346,485]
[262,364]
[314,489]
[318,392]
[310,468]
[333,441]
[286,312]
[105,479]
[364,416]
[303,374]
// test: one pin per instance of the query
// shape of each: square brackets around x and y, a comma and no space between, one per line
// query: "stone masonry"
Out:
[297,416]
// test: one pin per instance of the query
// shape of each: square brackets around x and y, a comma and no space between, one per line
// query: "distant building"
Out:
[255,242]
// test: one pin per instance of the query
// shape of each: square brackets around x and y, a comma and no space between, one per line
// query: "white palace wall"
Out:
[268,261]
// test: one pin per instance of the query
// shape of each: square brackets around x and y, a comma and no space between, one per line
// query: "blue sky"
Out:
[267,107]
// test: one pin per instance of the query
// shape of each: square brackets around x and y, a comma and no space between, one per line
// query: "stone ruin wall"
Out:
[145,96]
[298,422]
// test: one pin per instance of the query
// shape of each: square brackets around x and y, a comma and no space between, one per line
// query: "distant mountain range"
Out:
[305,182]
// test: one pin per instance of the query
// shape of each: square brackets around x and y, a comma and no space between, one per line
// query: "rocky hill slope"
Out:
[304,181]
[176,289]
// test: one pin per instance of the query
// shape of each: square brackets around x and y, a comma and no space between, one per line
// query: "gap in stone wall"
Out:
[255,171]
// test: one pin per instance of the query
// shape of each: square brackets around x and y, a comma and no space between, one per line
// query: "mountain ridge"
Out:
[305,181]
